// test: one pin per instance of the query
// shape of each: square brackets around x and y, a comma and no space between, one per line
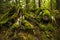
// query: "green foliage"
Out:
[29,20]
[45,4]
[46,12]
[48,27]
[28,25]
[30,37]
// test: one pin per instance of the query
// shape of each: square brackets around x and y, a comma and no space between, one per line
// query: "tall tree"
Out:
[58,4]
[39,3]
[51,4]
[27,4]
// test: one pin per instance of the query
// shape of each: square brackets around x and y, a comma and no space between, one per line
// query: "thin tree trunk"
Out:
[58,4]
[34,6]
[34,3]
[27,6]
[51,4]
[39,3]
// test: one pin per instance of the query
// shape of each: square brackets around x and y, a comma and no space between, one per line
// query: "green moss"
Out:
[30,37]
[48,27]
[28,25]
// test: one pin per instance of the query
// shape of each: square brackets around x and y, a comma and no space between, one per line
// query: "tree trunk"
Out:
[39,3]
[27,6]
[51,4]
[58,4]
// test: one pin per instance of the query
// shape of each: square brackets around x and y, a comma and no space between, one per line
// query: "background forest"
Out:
[29,19]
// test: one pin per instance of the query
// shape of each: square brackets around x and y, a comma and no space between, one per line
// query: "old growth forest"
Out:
[29,19]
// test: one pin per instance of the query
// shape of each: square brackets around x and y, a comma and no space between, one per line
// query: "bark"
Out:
[39,3]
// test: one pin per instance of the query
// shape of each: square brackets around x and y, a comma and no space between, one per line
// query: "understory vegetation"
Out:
[29,20]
